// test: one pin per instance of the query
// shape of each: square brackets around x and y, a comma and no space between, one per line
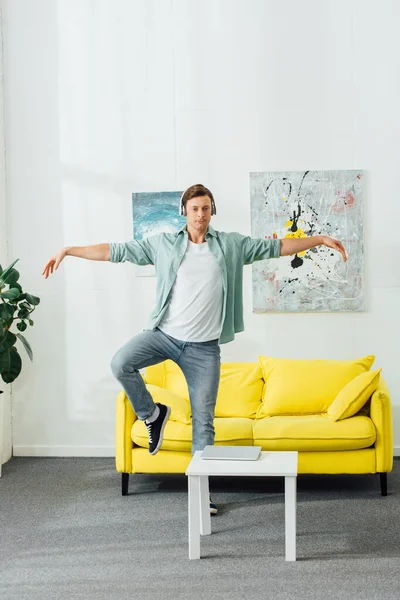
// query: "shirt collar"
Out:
[210,231]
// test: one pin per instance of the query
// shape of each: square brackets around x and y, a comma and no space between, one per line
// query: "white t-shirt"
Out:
[195,310]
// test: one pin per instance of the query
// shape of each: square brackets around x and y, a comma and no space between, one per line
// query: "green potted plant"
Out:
[15,306]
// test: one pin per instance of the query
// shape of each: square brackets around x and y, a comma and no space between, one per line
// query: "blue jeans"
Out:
[200,363]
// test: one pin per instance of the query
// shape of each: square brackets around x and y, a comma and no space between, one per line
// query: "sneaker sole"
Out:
[213,511]
[156,449]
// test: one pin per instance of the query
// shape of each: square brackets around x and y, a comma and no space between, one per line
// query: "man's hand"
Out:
[94,252]
[54,262]
[335,245]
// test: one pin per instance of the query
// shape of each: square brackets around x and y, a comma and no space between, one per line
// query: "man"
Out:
[199,305]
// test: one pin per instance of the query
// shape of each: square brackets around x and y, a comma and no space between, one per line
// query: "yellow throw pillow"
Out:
[297,387]
[155,374]
[174,379]
[354,395]
[240,390]
[180,407]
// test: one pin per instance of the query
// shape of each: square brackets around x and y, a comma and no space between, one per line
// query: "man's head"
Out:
[197,205]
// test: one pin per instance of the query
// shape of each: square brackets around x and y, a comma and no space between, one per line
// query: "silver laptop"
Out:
[231,452]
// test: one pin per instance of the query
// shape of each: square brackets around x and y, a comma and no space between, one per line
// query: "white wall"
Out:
[105,98]
[5,404]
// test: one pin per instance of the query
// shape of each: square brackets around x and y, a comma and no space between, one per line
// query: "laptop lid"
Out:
[231,452]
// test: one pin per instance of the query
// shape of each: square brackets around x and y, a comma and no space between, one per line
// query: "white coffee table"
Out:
[270,464]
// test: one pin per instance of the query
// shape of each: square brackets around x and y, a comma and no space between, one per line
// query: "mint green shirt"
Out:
[231,251]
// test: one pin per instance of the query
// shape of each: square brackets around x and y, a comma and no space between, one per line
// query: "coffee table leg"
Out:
[205,518]
[290,518]
[194,516]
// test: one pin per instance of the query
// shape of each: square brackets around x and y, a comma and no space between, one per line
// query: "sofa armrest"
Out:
[125,418]
[381,415]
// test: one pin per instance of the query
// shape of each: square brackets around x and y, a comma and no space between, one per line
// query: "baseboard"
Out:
[65,451]
[88,451]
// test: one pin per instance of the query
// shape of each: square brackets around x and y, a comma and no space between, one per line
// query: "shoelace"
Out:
[148,427]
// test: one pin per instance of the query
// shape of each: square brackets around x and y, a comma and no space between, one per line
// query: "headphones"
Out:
[182,207]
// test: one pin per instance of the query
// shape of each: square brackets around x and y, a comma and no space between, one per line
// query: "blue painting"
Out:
[153,213]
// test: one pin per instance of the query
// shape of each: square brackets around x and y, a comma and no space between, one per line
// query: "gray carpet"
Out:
[67,533]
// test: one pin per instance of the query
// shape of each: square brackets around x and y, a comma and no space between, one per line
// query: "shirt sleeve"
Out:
[141,252]
[259,249]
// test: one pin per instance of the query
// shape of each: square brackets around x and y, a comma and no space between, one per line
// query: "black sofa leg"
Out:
[383,478]
[125,483]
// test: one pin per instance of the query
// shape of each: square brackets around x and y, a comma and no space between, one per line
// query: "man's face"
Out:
[198,212]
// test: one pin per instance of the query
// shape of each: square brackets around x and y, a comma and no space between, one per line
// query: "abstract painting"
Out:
[155,212]
[295,204]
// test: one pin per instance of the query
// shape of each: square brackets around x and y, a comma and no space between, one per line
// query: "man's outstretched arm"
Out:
[259,248]
[95,252]
[296,245]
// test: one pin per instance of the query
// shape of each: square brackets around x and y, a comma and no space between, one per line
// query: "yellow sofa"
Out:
[274,403]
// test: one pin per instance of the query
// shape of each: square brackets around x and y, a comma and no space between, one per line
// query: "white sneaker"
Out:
[213,508]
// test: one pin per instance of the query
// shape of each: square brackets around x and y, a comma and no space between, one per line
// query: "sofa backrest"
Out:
[271,386]
[239,393]
[296,387]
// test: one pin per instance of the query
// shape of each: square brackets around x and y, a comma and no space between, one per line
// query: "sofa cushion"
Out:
[354,395]
[237,431]
[178,436]
[174,379]
[305,386]
[180,407]
[313,433]
[240,388]
[155,374]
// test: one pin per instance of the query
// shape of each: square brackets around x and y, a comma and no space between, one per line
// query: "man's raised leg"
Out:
[145,349]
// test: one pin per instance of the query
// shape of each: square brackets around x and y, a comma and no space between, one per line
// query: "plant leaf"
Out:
[15,367]
[6,312]
[5,360]
[26,345]
[34,300]
[7,341]
[22,326]
[6,272]
[10,294]
[25,305]
[12,277]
